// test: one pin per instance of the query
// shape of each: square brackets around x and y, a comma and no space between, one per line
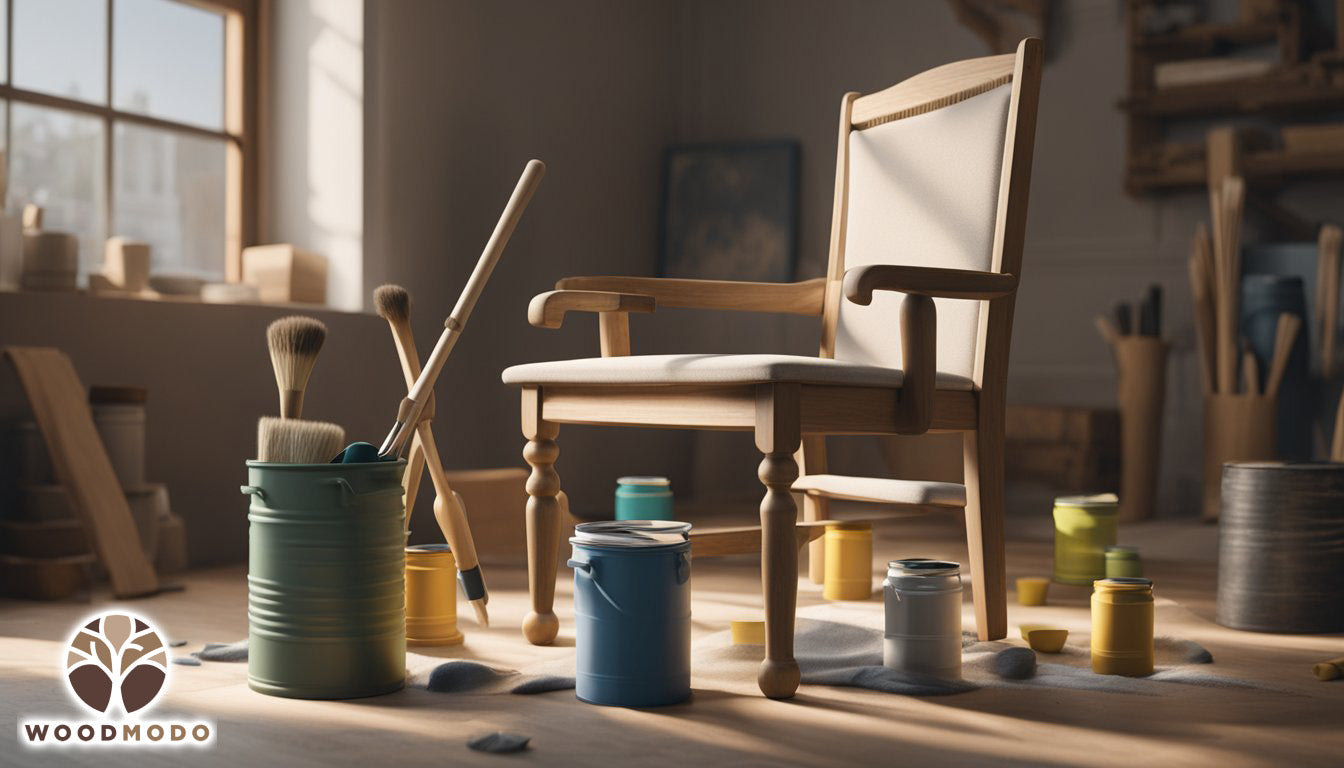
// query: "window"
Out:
[127,117]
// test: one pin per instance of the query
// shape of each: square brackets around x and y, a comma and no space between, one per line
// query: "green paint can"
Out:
[1123,563]
[326,597]
[1084,527]
[644,498]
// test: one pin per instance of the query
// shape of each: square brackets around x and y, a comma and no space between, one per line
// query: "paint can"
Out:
[119,416]
[431,596]
[632,612]
[1084,527]
[644,498]
[325,580]
[923,617]
[1123,562]
[1122,627]
[849,561]
[1281,547]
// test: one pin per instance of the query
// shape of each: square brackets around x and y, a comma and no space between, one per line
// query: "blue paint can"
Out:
[644,498]
[632,612]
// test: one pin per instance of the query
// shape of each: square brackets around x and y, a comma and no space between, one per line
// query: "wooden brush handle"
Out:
[291,403]
[1285,334]
[1337,449]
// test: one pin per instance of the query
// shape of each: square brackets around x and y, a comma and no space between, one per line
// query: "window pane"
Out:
[168,61]
[57,161]
[60,47]
[169,191]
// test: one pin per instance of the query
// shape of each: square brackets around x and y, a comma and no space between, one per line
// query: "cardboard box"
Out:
[284,273]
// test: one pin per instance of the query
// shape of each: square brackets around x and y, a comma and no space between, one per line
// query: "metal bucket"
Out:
[923,617]
[632,612]
[325,582]
[1084,527]
[1281,547]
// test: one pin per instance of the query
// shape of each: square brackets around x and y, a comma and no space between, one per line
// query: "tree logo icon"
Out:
[116,659]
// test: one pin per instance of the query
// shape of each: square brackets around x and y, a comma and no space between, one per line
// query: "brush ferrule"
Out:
[473,584]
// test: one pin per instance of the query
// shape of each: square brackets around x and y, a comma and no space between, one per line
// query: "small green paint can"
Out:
[1123,563]
[326,597]
[1084,527]
[644,498]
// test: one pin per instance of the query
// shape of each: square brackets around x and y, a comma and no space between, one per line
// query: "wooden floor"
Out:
[729,724]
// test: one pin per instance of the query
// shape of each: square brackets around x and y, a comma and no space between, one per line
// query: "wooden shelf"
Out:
[1204,39]
[1268,166]
[1254,96]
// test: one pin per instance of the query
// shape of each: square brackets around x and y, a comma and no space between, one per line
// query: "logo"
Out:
[117,660]
[116,666]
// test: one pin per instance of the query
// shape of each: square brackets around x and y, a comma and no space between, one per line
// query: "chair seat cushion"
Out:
[715,369]
[884,490]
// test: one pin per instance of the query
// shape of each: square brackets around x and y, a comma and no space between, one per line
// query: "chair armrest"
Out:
[547,310]
[807,297]
[860,282]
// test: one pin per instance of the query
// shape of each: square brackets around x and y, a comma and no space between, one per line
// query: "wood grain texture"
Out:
[860,282]
[801,298]
[61,409]
[812,461]
[547,310]
[544,515]
[835,263]
[778,435]
[745,539]
[613,333]
[937,88]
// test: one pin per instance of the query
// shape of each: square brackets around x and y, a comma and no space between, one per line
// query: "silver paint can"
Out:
[923,616]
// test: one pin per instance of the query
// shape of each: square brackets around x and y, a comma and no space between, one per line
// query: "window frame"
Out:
[241,79]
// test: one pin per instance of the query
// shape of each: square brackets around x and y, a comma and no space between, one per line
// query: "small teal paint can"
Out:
[644,498]
[632,612]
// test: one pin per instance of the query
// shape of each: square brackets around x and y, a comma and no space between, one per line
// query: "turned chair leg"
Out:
[812,461]
[777,436]
[544,514]
[982,454]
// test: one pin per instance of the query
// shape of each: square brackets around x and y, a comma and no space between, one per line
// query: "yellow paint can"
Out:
[431,596]
[748,632]
[849,562]
[1122,627]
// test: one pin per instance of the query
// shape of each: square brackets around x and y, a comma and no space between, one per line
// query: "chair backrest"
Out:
[934,172]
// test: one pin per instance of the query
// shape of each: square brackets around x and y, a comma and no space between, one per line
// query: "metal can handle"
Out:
[252,490]
[683,568]
[589,569]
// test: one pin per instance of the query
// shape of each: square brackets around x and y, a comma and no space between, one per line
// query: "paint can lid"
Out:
[643,480]
[631,533]
[1091,501]
[922,566]
[443,547]
[1123,583]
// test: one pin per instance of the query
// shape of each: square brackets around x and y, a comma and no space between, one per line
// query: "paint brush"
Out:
[1285,334]
[408,412]
[393,304]
[294,343]
[297,441]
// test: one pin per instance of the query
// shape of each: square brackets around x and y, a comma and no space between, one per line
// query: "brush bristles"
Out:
[298,441]
[294,343]
[392,302]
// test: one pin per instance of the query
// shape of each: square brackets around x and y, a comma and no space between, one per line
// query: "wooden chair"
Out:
[931,189]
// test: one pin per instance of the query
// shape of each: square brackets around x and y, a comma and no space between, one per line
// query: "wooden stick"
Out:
[1329,253]
[1228,261]
[1284,336]
[1107,329]
[1250,371]
[1337,449]
[1200,276]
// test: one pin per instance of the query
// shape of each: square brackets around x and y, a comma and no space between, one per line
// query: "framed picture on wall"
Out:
[730,211]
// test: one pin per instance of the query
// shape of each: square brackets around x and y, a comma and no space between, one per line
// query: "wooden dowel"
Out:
[1284,336]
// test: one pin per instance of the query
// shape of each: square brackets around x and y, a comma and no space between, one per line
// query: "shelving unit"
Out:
[1294,88]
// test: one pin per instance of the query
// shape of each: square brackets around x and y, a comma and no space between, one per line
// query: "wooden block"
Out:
[126,263]
[61,410]
[495,500]
[285,273]
[1327,138]
[44,579]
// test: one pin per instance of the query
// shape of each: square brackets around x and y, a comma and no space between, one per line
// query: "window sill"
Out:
[53,299]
